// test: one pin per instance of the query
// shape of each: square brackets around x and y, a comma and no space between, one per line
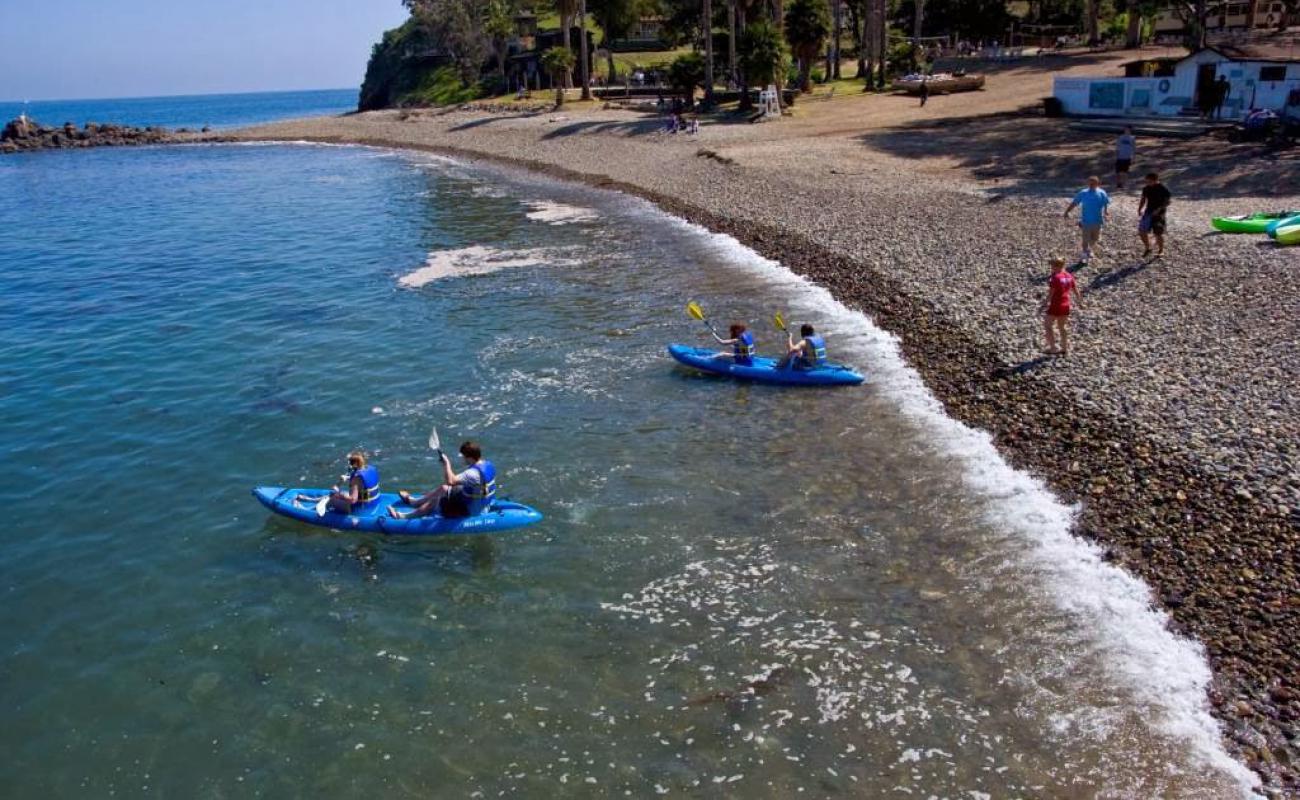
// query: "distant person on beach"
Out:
[463,494]
[925,90]
[741,342]
[1151,213]
[808,353]
[1094,210]
[362,486]
[1125,149]
[1056,309]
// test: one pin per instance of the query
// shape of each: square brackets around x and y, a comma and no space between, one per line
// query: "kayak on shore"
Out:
[1282,222]
[763,369]
[1288,235]
[373,517]
[1257,222]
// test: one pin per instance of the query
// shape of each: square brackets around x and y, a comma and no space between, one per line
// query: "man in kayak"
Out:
[462,494]
[742,344]
[809,353]
[362,486]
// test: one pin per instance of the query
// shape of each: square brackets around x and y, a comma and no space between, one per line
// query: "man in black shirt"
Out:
[1151,209]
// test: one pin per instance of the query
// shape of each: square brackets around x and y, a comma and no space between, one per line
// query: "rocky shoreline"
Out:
[23,135]
[1222,563]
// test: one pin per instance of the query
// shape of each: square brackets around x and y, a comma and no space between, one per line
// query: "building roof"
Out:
[1286,52]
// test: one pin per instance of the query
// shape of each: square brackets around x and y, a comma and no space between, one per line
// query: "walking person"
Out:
[1056,309]
[1125,149]
[1094,210]
[925,90]
[1151,213]
[1221,91]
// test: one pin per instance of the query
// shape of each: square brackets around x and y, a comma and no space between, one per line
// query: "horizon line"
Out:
[173,96]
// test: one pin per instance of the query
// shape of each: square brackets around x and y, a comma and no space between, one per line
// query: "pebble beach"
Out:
[1174,424]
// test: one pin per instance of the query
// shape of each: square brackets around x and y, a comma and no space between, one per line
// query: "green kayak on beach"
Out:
[1250,223]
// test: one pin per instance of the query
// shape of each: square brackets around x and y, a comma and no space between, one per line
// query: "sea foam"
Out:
[1165,672]
[476,260]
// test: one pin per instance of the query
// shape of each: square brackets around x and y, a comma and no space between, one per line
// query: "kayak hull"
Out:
[763,370]
[504,515]
[1289,235]
[1250,223]
[1283,222]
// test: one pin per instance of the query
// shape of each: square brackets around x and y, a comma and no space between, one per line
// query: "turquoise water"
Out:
[187,111]
[738,591]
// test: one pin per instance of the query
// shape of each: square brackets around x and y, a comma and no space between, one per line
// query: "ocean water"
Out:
[187,111]
[738,591]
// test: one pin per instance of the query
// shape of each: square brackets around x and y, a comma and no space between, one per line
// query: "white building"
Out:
[1258,76]
[1225,15]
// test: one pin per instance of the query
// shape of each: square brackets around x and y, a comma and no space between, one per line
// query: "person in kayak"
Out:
[809,353]
[362,482]
[742,344]
[461,495]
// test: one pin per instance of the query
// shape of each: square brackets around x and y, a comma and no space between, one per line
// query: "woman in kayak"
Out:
[809,353]
[742,344]
[362,486]
[460,495]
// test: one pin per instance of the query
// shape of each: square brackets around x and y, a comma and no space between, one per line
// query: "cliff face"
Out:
[400,63]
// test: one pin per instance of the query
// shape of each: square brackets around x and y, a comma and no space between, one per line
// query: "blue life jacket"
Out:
[369,476]
[480,499]
[814,352]
[744,348]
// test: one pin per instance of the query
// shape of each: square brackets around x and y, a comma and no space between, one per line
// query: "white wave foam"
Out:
[1165,672]
[553,213]
[476,260]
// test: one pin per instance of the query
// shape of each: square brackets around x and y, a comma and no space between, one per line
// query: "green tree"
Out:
[762,53]
[807,24]
[557,62]
[457,27]
[499,25]
[685,73]
[615,18]
[567,9]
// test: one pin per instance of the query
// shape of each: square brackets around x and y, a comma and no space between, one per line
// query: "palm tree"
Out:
[762,53]
[499,24]
[708,52]
[567,9]
[584,68]
[557,62]
[807,24]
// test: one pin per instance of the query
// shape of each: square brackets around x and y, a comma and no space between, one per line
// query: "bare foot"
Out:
[395,514]
[405,495]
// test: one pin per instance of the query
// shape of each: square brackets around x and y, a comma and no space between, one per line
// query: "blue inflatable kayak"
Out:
[763,370]
[503,515]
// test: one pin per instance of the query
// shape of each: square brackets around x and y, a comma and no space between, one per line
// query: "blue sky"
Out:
[81,49]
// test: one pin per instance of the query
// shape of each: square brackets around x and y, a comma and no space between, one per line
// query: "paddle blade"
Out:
[322,505]
[434,442]
[693,308]
[779,320]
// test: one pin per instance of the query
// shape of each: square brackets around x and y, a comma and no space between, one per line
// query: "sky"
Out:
[84,49]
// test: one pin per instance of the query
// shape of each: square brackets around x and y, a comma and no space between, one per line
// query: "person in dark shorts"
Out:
[463,494]
[1151,214]
[1125,149]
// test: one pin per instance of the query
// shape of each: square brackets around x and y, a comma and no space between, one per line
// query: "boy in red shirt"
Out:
[1057,307]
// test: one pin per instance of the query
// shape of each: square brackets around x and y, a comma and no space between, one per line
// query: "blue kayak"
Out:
[763,370]
[1284,222]
[503,515]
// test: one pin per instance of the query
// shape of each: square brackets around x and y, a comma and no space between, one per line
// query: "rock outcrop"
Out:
[27,134]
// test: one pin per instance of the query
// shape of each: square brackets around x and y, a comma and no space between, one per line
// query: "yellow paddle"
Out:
[693,308]
[780,321]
